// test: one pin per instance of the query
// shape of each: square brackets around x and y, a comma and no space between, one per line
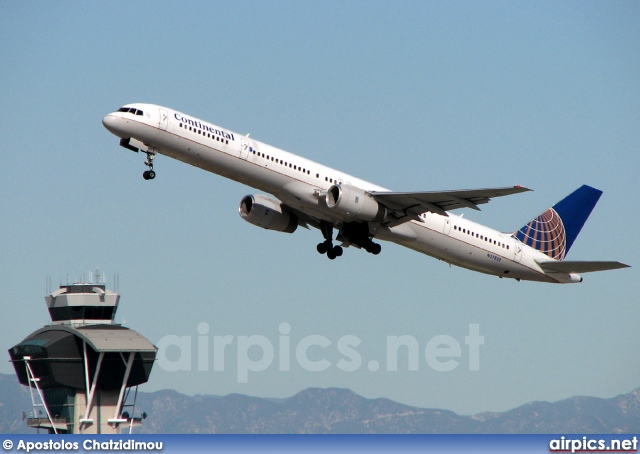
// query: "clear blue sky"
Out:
[408,95]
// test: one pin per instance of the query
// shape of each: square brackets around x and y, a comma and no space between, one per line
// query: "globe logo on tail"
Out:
[545,233]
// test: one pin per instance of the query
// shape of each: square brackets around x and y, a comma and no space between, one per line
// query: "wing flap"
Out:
[567,266]
[440,202]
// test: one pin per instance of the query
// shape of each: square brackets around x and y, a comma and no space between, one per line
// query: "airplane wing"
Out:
[409,205]
[567,266]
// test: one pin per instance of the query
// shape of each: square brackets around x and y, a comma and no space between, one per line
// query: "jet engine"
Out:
[267,213]
[354,204]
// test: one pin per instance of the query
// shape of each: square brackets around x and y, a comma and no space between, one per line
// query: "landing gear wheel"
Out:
[327,247]
[323,247]
[373,248]
[149,174]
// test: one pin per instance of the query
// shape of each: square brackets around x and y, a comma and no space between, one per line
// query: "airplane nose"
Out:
[110,122]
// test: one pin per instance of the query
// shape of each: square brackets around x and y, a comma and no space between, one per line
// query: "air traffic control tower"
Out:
[82,367]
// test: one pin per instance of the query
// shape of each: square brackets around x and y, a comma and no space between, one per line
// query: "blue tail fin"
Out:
[555,230]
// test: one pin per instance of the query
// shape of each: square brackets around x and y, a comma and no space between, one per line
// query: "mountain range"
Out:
[335,410]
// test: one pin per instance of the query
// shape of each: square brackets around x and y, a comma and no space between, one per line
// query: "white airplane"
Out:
[311,194]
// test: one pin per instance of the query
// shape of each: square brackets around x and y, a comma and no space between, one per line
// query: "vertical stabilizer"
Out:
[555,230]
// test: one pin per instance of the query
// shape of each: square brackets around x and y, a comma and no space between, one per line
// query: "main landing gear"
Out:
[149,174]
[373,248]
[327,246]
[355,233]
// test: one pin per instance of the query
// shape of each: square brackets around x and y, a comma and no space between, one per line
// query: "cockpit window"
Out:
[131,110]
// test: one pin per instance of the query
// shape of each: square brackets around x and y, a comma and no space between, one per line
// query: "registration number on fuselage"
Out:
[494,257]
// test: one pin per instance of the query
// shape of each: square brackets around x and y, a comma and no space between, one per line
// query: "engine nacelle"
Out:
[267,213]
[354,204]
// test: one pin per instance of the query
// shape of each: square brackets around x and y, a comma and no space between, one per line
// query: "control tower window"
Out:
[81,313]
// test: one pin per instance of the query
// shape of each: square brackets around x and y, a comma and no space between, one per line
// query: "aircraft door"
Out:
[244,148]
[447,226]
[163,122]
[518,251]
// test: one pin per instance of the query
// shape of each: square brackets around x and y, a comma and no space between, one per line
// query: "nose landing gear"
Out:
[149,174]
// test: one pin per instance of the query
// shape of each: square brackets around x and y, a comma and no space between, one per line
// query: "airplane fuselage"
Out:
[303,184]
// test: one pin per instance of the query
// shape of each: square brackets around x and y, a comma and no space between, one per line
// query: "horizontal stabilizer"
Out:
[579,266]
